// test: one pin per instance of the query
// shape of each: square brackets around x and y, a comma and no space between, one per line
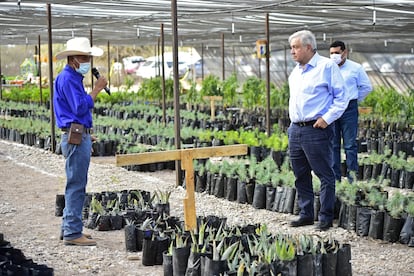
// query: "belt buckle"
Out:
[302,124]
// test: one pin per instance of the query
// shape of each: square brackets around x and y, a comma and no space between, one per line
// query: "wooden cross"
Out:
[212,100]
[186,156]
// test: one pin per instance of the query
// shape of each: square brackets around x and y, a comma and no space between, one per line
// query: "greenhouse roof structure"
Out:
[386,25]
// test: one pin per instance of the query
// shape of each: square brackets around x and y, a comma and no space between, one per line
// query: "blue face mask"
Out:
[83,67]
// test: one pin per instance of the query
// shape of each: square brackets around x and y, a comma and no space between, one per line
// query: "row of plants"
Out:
[370,209]
[386,103]
[265,186]
[134,136]
[112,210]
[253,250]
[214,248]
[396,140]
[147,130]
[250,94]
[227,250]
[377,136]
[395,170]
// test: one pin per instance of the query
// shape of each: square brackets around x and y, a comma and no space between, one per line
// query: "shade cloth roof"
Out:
[387,25]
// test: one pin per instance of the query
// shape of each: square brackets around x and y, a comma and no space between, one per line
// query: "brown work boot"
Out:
[88,236]
[81,241]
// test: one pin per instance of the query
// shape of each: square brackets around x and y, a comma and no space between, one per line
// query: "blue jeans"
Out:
[77,165]
[310,149]
[346,130]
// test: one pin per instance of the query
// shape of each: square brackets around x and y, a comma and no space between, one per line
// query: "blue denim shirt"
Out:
[317,90]
[70,100]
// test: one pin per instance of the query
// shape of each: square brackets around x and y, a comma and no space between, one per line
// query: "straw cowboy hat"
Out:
[79,46]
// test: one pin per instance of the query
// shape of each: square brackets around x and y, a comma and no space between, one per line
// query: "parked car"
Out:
[131,64]
[387,68]
[152,66]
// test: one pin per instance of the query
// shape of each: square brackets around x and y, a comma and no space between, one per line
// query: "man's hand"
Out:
[99,86]
[94,139]
[320,123]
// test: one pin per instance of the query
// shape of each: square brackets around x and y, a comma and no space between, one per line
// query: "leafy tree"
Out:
[253,92]
[151,89]
[211,86]
[230,86]
[388,103]
[279,97]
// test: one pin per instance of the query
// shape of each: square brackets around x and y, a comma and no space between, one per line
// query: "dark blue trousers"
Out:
[310,149]
[346,131]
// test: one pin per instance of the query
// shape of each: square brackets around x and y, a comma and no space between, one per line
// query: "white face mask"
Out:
[337,58]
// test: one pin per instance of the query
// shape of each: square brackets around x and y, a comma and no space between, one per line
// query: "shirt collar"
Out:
[312,62]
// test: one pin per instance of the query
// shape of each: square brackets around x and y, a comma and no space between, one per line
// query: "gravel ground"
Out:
[31,178]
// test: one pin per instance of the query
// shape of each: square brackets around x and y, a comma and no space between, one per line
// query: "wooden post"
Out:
[212,100]
[186,156]
[190,217]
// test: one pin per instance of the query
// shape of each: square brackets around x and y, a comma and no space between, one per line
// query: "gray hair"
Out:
[306,37]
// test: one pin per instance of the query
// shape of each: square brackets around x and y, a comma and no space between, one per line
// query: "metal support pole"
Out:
[109,63]
[268,126]
[174,26]
[39,70]
[91,39]
[202,61]
[50,60]
[286,65]
[164,113]
[223,69]
[162,58]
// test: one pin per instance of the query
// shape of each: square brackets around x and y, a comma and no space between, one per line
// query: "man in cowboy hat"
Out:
[72,106]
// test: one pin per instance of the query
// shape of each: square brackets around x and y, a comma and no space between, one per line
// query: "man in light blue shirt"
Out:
[317,99]
[346,127]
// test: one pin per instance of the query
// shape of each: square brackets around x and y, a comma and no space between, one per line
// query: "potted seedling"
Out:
[407,232]
[180,253]
[96,210]
[148,242]
[162,204]
[130,236]
[393,219]
[167,261]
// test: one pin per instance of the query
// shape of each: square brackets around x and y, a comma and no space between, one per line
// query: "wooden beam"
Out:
[147,157]
[164,156]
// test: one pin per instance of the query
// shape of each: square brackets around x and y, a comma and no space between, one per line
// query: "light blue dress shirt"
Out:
[356,79]
[317,90]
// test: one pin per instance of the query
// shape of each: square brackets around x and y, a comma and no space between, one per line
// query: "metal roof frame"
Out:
[363,24]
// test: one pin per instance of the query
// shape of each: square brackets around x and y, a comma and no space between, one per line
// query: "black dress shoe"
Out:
[301,222]
[324,225]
